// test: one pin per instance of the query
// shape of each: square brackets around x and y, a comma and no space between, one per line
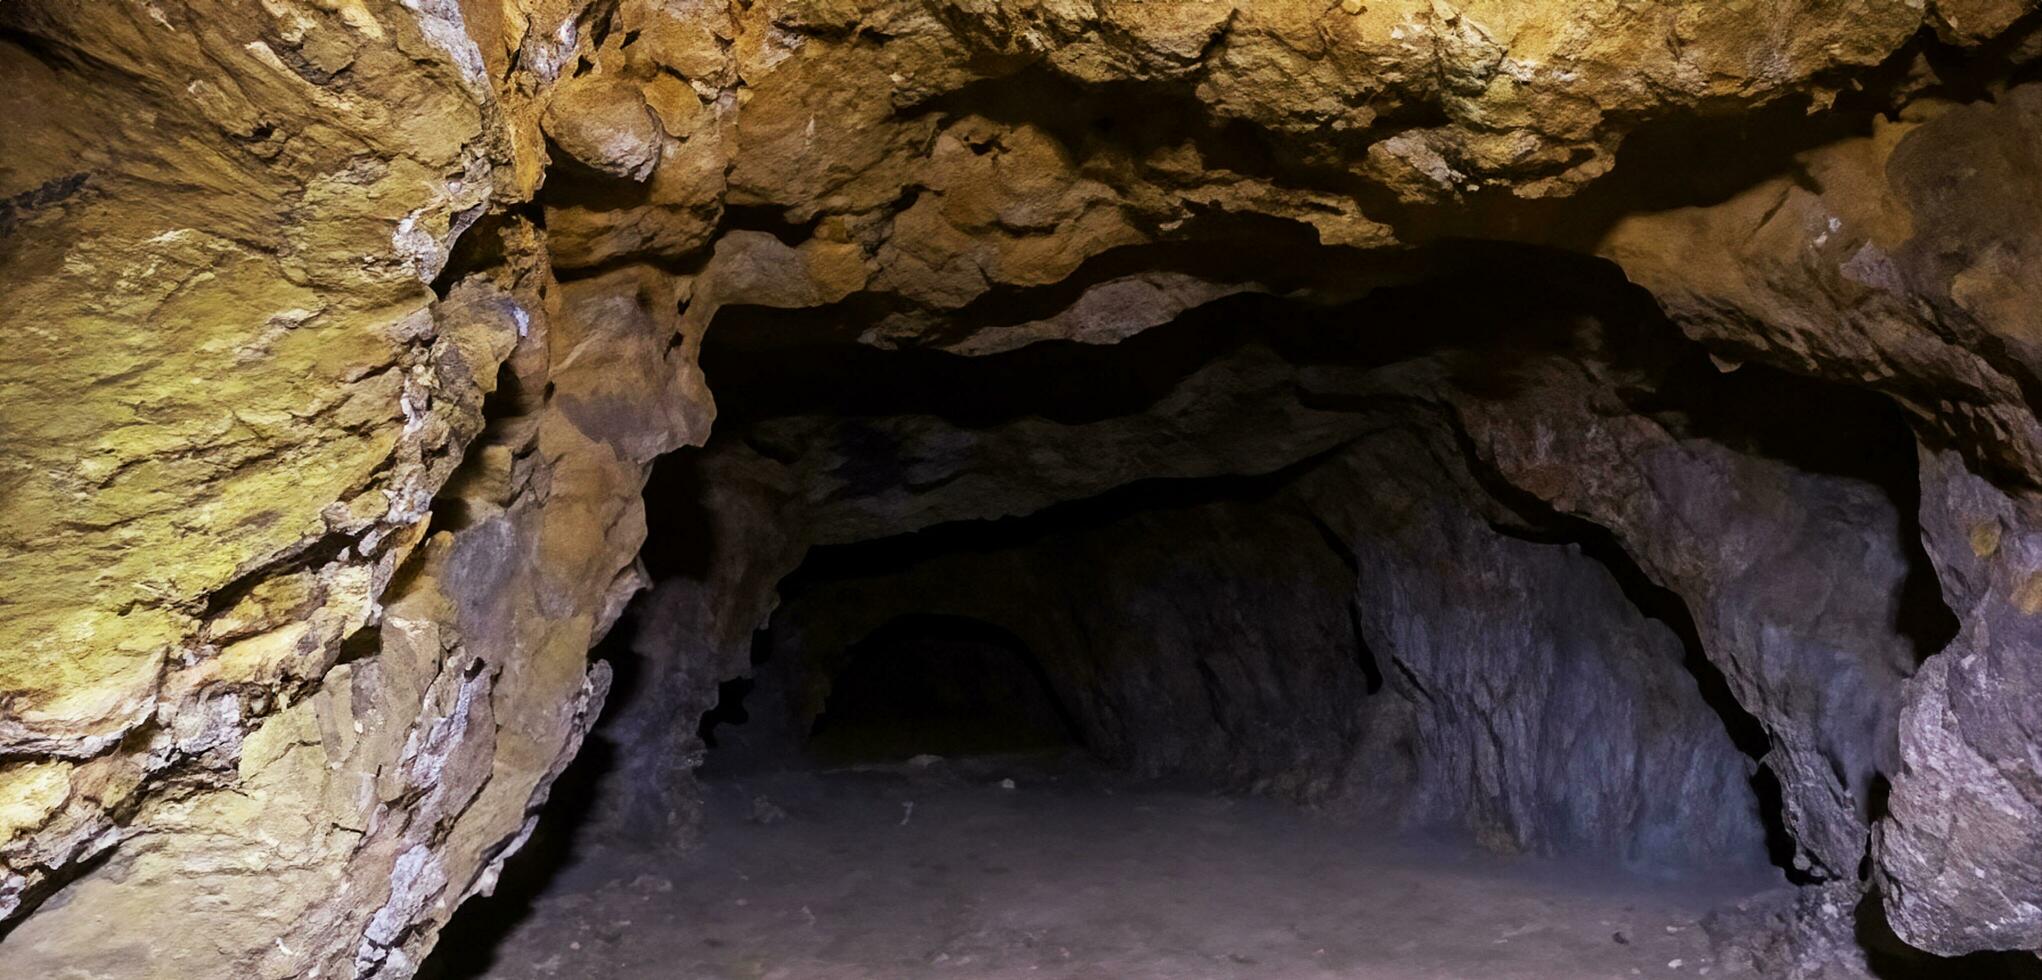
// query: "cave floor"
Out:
[1076,874]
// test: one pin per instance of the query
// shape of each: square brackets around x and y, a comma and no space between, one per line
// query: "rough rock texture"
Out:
[1793,578]
[1889,270]
[1957,857]
[253,628]
[1550,714]
[1773,515]
[1354,636]
[348,331]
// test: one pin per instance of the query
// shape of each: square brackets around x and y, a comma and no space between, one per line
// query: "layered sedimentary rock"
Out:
[354,655]
[348,332]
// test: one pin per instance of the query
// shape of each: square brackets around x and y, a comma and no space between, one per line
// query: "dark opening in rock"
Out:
[942,685]
[1518,569]
[1011,488]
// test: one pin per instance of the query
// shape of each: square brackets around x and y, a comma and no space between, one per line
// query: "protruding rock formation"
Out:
[346,336]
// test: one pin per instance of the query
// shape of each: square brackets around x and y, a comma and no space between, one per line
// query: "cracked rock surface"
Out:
[348,335]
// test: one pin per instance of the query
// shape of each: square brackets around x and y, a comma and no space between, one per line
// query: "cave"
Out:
[507,489]
[1274,578]
[923,684]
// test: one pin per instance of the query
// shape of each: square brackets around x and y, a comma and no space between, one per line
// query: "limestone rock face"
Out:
[347,335]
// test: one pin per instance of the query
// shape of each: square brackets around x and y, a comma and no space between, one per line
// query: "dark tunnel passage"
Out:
[1021,490]
[941,685]
[1542,579]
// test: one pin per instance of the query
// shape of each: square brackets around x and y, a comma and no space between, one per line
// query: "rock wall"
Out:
[349,332]
[1353,635]
[1886,266]
[309,537]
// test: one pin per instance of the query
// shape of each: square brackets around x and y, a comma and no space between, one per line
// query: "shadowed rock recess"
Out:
[1579,428]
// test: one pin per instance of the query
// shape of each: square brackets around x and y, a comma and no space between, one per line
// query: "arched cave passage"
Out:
[938,685]
[1513,571]
[1097,488]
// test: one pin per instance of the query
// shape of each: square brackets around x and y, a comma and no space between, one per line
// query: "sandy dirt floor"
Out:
[943,871]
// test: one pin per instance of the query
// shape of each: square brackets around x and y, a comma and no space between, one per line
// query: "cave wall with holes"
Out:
[349,335]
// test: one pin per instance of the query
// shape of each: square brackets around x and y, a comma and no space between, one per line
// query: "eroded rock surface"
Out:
[1352,635]
[348,333]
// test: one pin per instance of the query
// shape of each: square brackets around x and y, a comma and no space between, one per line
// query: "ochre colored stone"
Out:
[343,336]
